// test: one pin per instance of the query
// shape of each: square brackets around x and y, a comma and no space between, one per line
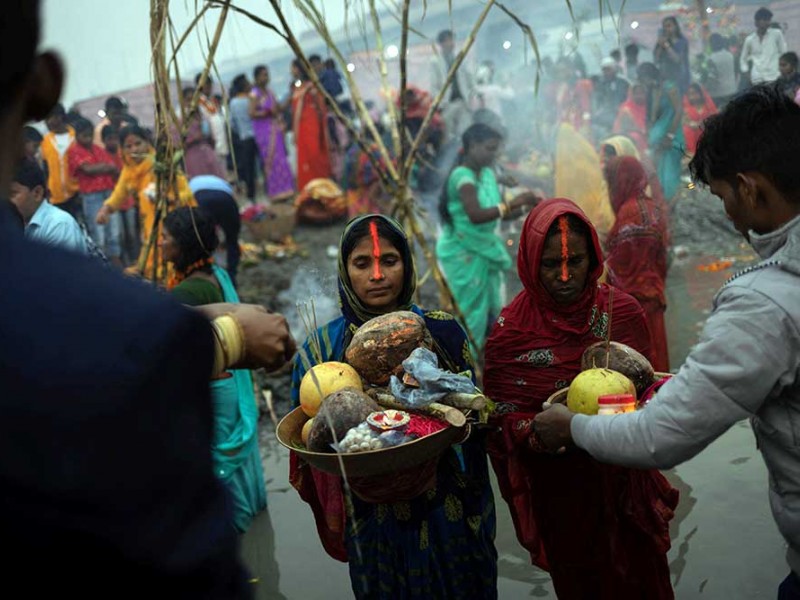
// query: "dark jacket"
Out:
[106,485]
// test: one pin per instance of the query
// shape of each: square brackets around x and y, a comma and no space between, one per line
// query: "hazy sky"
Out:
[106,43]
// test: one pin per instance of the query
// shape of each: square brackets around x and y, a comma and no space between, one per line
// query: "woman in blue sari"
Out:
[439,544]
[665,130]
[188,240]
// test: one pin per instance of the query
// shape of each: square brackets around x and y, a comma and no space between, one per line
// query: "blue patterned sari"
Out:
[440,544]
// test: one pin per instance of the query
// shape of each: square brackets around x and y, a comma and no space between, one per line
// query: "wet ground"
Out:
[724,541]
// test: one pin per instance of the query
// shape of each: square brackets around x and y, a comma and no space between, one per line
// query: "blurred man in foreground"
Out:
[106,485]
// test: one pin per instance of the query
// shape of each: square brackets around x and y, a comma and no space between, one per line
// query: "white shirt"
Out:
[63,141]
[764,53]
[216,121]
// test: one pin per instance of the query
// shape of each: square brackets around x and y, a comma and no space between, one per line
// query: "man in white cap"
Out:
[610,91]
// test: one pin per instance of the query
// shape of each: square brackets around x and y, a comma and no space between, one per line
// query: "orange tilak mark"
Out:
[376,250]
[564,226]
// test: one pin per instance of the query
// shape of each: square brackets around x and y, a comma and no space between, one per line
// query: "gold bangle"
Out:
[502,209]
[231,337]
[219,353]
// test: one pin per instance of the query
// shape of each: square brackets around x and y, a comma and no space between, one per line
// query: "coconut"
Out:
[380,345]
[623,359]
[589,385]
[339,412]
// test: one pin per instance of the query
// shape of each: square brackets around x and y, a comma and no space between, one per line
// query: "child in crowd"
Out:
[96,174]
[129,212]
[62,188]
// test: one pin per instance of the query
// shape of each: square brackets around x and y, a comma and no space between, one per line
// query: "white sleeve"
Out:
[746,354]
[744,57]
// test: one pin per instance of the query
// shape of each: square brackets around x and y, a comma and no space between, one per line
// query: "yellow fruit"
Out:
[324,379]
[589,385]
[305,431]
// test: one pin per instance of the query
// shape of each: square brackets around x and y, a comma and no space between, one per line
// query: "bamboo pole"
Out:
[403,79]
[406,166]
[291,40]
[166,118]
[384,72]
[394,179]
[311,13]
[212,50]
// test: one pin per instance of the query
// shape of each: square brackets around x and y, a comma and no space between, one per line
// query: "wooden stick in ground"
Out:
[405,168]
[188,31]
[384,71]
[357,135]
[311,12]
[608,326]
[386,179]
[212,50]
[403,81]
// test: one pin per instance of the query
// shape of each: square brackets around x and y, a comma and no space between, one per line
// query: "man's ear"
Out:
[43,87]
[38,192]
[747,189]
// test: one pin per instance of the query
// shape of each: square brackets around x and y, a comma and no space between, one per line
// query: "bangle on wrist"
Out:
[503,209]
[229,337]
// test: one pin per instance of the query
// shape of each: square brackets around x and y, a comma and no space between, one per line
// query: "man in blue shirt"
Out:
[44,222]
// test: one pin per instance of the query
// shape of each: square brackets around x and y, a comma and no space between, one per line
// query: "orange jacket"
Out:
[62,186]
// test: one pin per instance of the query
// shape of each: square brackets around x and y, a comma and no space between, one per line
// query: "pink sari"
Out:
[268,132]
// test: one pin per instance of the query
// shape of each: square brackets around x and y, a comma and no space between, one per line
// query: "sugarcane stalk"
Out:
[451,415]
[384,72]
[465,401]
[406,166]
[293,43]
[528,32]
[408,216]
[291,40]
[311,12]
[403,81]
[212,50]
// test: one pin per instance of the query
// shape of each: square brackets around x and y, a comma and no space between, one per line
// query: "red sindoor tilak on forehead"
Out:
[563,225]
[376,250]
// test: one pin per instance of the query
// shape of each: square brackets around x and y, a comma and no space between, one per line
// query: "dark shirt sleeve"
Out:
[105,437]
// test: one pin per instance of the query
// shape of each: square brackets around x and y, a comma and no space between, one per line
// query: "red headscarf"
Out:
[632,121]
[601,531]
[694,117]
[637,247]
[535,331]
[627,180]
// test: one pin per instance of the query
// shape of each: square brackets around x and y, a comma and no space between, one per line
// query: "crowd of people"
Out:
[105,486]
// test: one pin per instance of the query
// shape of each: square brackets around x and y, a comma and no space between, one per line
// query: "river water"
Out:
[724,541]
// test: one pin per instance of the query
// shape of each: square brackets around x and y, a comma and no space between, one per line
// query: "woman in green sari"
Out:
[188,240]
[665,127]
[473,257]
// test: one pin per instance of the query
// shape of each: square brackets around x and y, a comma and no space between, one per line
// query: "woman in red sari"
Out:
[632,117]
[636,248]
[601,531]
[309,123]
[697,107]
